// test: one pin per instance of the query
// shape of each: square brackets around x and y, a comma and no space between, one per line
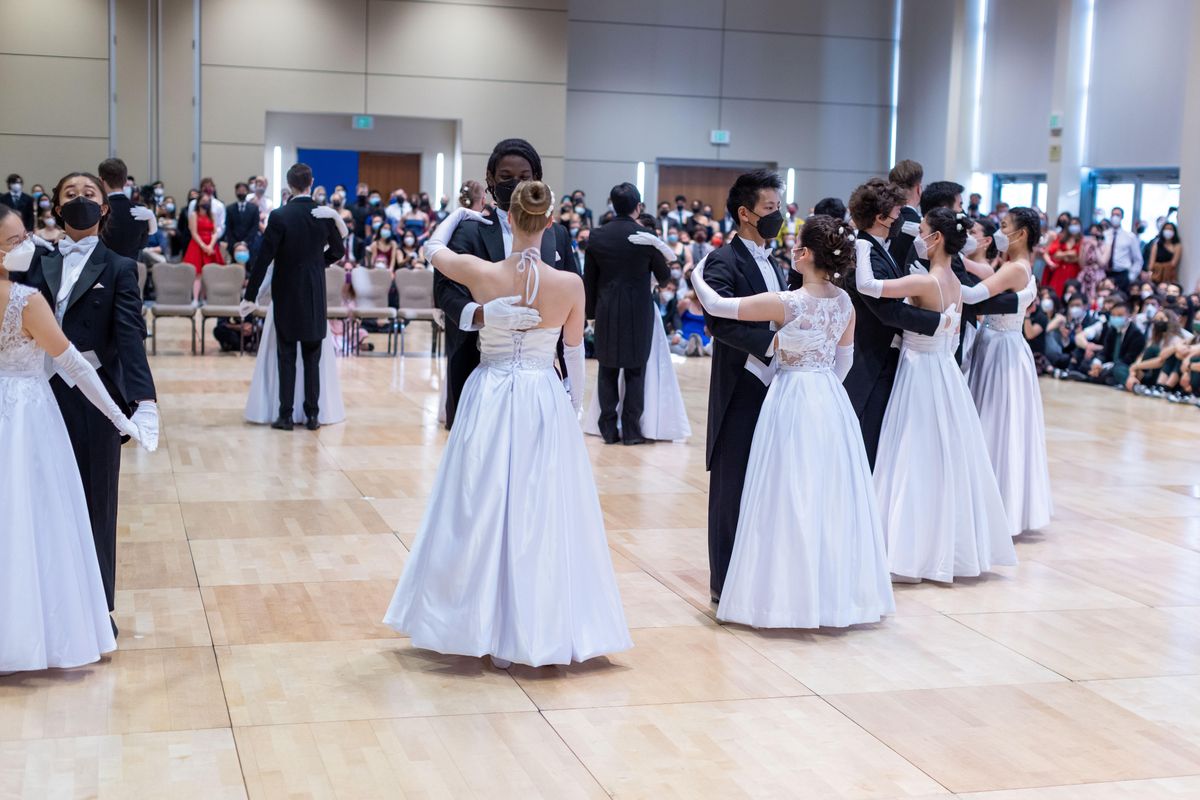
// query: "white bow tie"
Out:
[67,247]
[758,253]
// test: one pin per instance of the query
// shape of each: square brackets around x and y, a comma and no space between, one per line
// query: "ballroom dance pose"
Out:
[809,552]
[743,357]
[95,297]
[1004,382]
[511,559]
[942,513]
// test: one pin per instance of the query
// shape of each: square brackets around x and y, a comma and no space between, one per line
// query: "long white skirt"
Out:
[262,404]
[511,559]
[809,548]
[1004,384]
[664,417]
[942,513]
[53,612]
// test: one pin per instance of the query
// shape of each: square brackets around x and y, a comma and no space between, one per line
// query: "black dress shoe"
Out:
[312,423]
[611,439]
[113,622]
[635,440]
[715,598]
[283,424]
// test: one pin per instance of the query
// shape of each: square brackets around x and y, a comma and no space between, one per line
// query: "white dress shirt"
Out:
[218,216]
[75,257]
[1127,257]
[467,321]
[764,372]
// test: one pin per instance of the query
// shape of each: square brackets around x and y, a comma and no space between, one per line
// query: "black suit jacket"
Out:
[877,321]
[899,242]
[296,241]
[618,297]
[23,206]
[1132,344]
[122,233]
[241,226]
[732,272]
[104,316]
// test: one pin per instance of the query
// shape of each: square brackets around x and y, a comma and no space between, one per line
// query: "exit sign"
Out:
[719,137]
[363,122]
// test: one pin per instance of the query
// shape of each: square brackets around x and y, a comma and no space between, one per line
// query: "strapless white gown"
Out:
[511,559]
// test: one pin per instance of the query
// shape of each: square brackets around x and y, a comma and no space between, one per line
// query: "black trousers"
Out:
[459,365]
[871,418]
[727,474]
[1120,278]
[311,355]
[97,446]
[632,404]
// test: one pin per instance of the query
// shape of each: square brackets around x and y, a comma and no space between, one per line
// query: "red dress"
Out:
[194,255]
[1059,272]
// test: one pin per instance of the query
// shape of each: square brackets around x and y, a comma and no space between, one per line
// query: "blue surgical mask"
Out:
[242,256]
[672,238]
[1074,229]
[1117,321]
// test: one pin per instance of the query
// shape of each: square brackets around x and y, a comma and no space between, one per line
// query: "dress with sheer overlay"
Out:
[942,513]
[511,559]
[53,612]
[809,547]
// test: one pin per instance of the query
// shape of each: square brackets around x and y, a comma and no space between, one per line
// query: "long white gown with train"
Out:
[511,559]
[942,513]
[53,612]
[1004,384]
[262,404]
[664,417]
[809,547]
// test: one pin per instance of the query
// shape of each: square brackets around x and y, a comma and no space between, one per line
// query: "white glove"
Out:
[87,380]
[246,308]
[576,376]
[328,212]
[145,215]
[917,268]
[864,276]
[713,303]
[843,360]
[441,236]
[912,229]
[975,294]
[648,238]
[145,419]
[505,314]
[948,322]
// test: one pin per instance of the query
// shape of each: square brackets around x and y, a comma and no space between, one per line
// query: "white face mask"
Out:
[19,258]
[15,188]
[1168,234]
[1047,305]
[127,191]
[922,247]
[969,246]
[1150,310]
[667,296]
[1000,239]
[1076,312]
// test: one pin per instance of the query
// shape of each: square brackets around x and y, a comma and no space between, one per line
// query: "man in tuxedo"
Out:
[511,161]
[906,176]
[874,208]
[18,201]
[241,219]
[94,292]
[301,245]
[127,226]
[618,299]
[743,356]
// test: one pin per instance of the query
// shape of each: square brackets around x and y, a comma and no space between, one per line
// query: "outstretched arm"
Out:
[869,285]
[458,267]
[763,307]
[979,269]
[1010,277]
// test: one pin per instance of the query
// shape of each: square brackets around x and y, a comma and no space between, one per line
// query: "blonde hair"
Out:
[530,208]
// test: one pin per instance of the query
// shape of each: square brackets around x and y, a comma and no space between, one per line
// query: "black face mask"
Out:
[769,226]
[241,196]
[1160,326]
[503,192]
[80,213]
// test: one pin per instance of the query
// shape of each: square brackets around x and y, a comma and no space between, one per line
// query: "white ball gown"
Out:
[53,612]
[1004,384]
[262,404]
[664,417]
[942,513]
[511,559]
[809,547]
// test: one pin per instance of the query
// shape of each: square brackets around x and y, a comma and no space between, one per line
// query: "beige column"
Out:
[1189,160]
[1066,143]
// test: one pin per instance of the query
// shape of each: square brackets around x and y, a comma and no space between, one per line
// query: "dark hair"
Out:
[989,230]
[1080,296]
[1026,219]
[648,221]
[830,207]
[299,177]
[952,225]
[519,148]
[471,191]
[1118,301]
[1115,209]
[1175,228]
[624,198]
[745,190]
[679,197]
[54,195]
[14,178]
[241,185]
[5,211]
[940,194]
[906,174]
[875,198]
[831,241]
[113,172]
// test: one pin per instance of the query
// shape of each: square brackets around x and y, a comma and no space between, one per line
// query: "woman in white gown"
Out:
[1004,383]
[511,558]
[942,513]
[809,546]
[53,612]
[262,404]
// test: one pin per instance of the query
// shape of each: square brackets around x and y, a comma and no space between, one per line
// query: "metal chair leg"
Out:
[154,334]
[193,335]
[203,323]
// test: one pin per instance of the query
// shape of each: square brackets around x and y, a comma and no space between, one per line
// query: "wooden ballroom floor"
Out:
[255,566]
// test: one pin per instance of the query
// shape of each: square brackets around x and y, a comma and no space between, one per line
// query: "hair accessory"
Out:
[959,226]
[550,208]
[837,275]
[837,252]
[841,229]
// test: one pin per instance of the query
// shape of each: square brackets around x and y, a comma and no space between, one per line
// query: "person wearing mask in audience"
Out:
[1063,255]
[680,216]
[666,299]
[410,255]
[683,253]
[415,221]
[1122,252]
[241,219]
[906,176]
[973,203]
[204,247]
[157,249]
[579,200]
[699,247]
[43,206]
[216,207]
[1037,320]
[355,247]
[48,230]
[158,193]
[361,208]
[37,192]
[1122,344]
[265,206]
[1054,337]
[383,253]
[109,328]
[1165,254]
[1156,371]
[320,196]
[580,246]
[127,226]
[18,201]
[235,334]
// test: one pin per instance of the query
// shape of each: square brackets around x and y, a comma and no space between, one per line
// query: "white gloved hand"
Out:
[648,238]
[145,419]
[87,380]
[246,308]
[713,303]
[912,229]
[145,215]
[843,360]
[948,322]
[441,236]
[975,294]
[917,268]
[864,278]
[328,212]
[576,376]
[504,313]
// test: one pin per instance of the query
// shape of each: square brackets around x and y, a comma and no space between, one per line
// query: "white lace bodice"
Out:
[814,325]
[533,349]
[19,355]
[1015,321]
